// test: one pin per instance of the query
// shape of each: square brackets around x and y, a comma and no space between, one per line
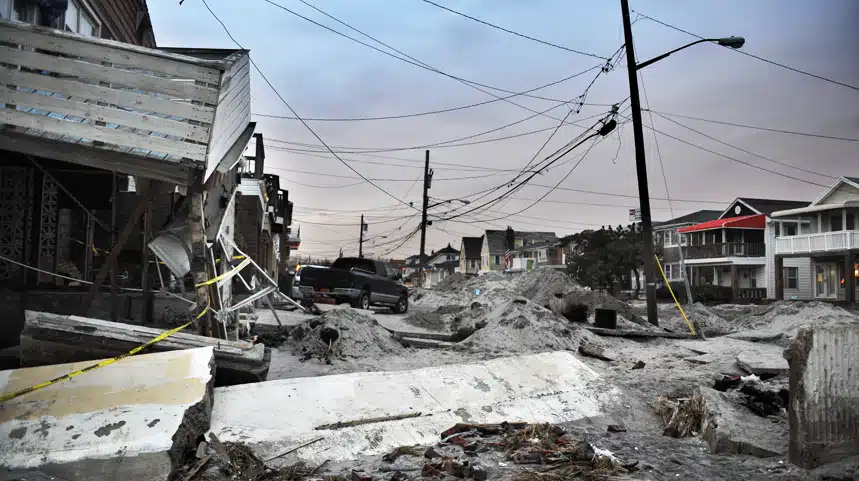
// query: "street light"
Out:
[730,42]
[640,161]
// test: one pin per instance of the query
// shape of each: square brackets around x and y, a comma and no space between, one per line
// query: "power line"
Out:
[408,58]
[734,159]
[448,179]
[757,127]
[744,150]
[306,125]
[323,186]
[771,62]
[522,35]
[447,143]
[434,112]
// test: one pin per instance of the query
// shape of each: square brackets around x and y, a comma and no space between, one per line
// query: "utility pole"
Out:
[427,182]
[361,238]
[641,169]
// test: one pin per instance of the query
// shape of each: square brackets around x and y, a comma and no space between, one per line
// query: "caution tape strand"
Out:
[106,362]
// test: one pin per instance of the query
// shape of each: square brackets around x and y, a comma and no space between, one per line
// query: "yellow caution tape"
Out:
[668,284]
[225,274]
[106,362]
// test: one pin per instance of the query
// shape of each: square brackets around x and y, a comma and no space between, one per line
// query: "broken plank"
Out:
[631,333]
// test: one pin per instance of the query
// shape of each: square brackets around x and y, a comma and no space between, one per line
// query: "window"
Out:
[78,21]
[790,229]
[668,271]
[791,278]
[835,223]
[497,260]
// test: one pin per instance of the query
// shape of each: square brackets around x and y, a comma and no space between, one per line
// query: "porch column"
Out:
[844,220]
[849,280]
[779,278]
[735,282]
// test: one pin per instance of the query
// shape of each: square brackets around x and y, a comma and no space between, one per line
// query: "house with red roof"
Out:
[731,250]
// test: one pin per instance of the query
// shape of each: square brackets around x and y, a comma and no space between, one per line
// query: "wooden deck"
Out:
[162,115]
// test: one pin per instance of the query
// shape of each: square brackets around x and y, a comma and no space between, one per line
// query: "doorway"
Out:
[826,280]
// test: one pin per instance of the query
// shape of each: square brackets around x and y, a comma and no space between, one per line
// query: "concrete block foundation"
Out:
[374,412]
[135,419]
[824,394]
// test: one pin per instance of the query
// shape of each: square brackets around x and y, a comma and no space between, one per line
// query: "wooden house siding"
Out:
[120,18]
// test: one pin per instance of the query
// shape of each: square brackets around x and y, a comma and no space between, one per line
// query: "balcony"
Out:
[164,115]
[818,243]
[725,249]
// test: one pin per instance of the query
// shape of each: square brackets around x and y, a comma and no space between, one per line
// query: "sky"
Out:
[323,75]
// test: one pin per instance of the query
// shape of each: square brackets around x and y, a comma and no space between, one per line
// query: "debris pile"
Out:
[683,417]
[513,327]
[549,452]
[342,333]
[781,321]
[222,461]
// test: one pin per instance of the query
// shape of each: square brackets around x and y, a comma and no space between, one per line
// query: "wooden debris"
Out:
[632,333]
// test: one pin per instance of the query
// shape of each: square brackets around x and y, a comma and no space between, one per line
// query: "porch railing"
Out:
[725,249]
[752,293]
[820,242]
[154,105]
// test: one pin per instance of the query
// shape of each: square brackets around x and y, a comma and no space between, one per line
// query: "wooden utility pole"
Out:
[641,170]
[361,238]
[427,183]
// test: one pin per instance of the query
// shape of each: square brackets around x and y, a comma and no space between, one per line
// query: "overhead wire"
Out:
[439,111]
[409,59]
[742,149]
[757,127]
[522,35]
[306,125]
[743,52]
[733,159]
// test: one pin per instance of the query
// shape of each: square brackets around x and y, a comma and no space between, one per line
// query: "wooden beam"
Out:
[110,262]
[151,168]
[146,314]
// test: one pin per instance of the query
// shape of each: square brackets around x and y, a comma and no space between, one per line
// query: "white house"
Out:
[815,247]
[440,265]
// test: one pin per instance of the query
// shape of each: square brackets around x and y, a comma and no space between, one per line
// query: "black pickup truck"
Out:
[361,282]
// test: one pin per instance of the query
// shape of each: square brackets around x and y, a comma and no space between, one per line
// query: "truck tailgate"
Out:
[321,279]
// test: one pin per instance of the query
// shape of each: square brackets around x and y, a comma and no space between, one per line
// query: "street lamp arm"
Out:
[731,42]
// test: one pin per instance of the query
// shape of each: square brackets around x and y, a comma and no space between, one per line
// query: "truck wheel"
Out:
[402,305]
[363,301]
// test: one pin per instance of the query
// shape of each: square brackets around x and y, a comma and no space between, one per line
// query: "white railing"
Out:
[150,104]
[822,242]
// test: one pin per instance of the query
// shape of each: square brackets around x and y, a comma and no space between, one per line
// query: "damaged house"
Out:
[115,149]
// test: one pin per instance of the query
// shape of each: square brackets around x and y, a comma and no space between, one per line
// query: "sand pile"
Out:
[708,321]
[782,320]
[342,333]
[515,327]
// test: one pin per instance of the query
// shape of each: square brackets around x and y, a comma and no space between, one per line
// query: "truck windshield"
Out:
[348,263]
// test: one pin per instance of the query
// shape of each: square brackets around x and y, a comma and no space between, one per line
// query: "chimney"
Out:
[510,238]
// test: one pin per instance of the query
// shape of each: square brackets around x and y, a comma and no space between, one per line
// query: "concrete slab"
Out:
[763,363]
[824,395]
[384,410]
[731,428]
[53,338]
[134,419]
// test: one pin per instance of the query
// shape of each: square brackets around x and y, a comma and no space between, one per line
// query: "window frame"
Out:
[83,9]
[786,273]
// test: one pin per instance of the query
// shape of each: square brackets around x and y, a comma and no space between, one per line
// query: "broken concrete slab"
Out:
[763,363]
[731,428]
[380,411]
[421,343]
[134,419]
[703,359]
[53,338]
[824,395]
[597,352]
[643,334]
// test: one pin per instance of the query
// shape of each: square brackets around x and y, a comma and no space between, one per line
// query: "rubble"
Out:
[342,333]
[823,405]
[781,321]
[53,338]
[730,428]
[135,419]
[762,363]
[373,413]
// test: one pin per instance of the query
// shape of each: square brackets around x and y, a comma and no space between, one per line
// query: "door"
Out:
[826,280]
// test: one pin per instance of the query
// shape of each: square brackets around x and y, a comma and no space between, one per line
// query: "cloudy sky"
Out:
[323,75]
